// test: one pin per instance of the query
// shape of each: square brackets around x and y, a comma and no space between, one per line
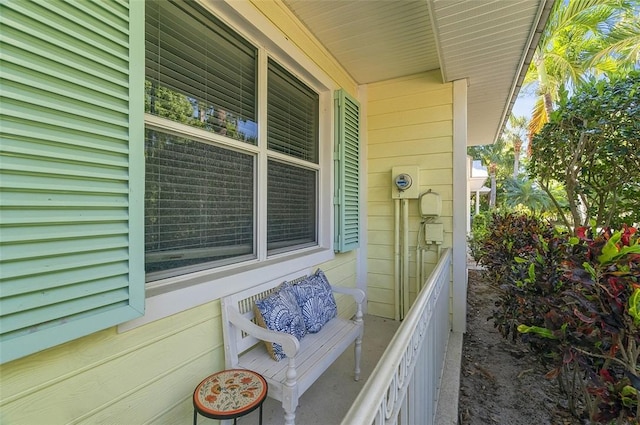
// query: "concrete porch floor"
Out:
[331,396]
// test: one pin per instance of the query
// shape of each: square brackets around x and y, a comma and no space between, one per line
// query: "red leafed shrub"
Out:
[601,319]
[576,302]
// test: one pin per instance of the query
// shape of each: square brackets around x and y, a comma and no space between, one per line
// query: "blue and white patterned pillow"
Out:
[280,312]
[315,298]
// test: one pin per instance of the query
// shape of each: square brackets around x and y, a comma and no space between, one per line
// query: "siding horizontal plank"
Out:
[426,146]
[433,161]
[411,117]
[410,124]
[381,309]
[93,367]
[411,132]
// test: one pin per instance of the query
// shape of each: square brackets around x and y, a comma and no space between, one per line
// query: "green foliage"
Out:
[543,332]
[167,103]
[522,254]
[510,235]
[599,312]
[479,231]
[592,146]
[634,306]
[575,300]
[523,192]
[498,156]
[582,38]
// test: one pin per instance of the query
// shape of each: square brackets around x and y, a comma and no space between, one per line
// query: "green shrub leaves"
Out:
[575,300]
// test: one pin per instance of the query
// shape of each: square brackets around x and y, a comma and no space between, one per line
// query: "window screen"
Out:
[292,115]
[198,71]
[291,209]
[198,204]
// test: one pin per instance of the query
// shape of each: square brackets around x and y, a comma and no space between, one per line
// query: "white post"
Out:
[362,253]
[460,205]
[396,260]
[405,258]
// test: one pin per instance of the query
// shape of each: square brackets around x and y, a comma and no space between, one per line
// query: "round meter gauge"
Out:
[403,181]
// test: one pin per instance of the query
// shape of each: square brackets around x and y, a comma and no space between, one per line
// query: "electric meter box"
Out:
[430,204]
[434,233]
[405,182]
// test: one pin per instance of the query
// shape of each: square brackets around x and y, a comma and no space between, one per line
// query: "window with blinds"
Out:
[201,196]
[292,129]
[199,209]
[291,209]
[292,115]
[198,71]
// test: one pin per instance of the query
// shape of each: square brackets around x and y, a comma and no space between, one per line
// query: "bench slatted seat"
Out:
[306,360]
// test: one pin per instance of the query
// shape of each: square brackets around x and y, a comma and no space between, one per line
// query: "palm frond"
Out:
[586,13]
[622,44]
[538,118]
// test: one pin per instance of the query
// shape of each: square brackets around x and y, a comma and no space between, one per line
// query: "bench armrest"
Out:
[290,344]
[357,294]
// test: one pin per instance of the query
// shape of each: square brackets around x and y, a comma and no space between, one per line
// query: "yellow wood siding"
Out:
[146,375]
[409,122]
[115,378]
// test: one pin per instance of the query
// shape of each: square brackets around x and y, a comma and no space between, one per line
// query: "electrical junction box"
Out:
[405,182]
[430,204]
[434,233]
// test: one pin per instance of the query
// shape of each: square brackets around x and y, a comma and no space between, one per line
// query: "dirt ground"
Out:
[501,382]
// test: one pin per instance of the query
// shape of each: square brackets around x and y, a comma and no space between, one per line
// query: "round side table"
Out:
[229,394]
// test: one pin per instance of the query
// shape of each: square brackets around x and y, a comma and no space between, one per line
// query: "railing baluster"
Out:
[403,387]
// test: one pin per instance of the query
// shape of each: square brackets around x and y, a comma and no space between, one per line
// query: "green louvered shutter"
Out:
[347,170]
[71,170]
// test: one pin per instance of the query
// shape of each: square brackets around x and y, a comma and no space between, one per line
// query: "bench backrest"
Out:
[235,340]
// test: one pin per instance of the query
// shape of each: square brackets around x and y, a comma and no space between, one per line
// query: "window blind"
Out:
[292,115]
[199,72]
[199,204]
[291,207]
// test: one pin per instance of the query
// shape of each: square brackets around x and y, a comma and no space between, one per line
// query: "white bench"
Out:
[306,360]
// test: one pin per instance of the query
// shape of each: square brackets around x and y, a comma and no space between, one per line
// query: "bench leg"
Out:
[358,351]
[289,404]
[289,418]
[290,393]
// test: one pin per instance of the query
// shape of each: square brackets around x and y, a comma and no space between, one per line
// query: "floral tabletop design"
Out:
[230,393]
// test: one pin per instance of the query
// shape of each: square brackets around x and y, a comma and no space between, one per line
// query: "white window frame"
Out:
[172,295]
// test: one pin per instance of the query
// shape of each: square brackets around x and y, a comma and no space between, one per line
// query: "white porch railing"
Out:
[403,387]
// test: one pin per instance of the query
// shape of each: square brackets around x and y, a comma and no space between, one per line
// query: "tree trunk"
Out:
[548,104]
[543,81]
[517,146]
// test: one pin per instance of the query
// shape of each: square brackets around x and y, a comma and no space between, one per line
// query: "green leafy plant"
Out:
[590,146]
[479,231]
[522,254]
[605,302]
[591,332]
[575,300]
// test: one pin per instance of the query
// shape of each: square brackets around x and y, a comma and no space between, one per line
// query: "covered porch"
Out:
[431,77]
[331,397]
[407,367]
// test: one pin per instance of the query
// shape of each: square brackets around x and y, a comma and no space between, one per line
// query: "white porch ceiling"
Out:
[488,42]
